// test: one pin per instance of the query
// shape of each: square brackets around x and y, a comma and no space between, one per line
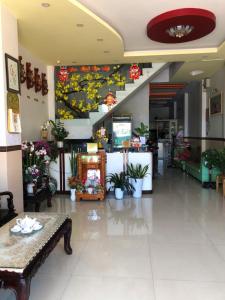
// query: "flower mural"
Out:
[82,91]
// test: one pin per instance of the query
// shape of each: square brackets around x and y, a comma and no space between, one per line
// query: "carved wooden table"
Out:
[22,255]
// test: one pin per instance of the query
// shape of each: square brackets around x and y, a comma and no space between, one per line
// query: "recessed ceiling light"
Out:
[45,4]
[196,72]
[58,61]
[100,40]
[106,51]
[80,25]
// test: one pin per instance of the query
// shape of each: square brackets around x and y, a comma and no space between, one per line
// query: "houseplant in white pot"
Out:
[119,182]
[59,132]
[143,132]
[137,173]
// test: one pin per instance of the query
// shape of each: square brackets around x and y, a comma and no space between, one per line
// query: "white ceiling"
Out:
[130,19]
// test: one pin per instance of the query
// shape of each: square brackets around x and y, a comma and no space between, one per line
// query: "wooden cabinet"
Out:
[91,165]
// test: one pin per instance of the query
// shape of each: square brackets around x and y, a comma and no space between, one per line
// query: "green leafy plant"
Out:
[58,130]
[210,158]
[142,130]
[120,180]
[220,161]
[137,171]
[73,163]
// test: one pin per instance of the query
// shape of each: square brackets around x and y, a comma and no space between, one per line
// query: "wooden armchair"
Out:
[6,214]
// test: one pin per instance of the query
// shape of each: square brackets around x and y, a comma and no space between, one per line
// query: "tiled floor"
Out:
[166,246]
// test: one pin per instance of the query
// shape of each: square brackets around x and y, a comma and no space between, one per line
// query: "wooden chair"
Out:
[7,214]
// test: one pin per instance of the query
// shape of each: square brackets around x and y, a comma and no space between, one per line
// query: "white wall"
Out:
[216,123]
[34,106]
[138,106]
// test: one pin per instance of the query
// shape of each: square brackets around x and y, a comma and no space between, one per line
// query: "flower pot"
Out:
[72,194]
[90,190]
[60,144]
[44,134]
[118,193]
[30,188]
[143,140]
[137,184]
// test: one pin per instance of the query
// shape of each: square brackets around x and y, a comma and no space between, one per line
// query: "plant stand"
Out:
[87,196]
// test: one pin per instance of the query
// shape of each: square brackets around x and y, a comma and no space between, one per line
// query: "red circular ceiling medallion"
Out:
[181,25]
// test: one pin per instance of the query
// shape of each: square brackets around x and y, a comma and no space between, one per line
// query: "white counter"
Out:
[116,162]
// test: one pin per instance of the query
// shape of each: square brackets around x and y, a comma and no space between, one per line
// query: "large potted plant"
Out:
[119,182]
[211,159]
[143,132]
[59,132]
[137,173]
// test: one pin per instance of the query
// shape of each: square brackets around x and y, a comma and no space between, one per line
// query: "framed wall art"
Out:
[12,74]
[13,111]
[216,104]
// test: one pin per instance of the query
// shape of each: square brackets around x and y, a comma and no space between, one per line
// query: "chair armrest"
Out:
[9,200]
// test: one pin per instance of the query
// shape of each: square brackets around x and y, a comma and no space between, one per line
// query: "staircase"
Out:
[83,128]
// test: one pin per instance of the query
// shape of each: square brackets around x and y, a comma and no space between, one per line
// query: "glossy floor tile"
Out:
[166,246]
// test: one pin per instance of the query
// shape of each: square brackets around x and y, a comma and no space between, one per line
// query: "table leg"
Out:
[67,236]
[22,288]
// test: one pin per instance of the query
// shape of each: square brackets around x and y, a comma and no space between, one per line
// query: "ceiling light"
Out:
[80,25]
[58,61]
[45,4]
[180,30]
[106,51]
[100,40]
[196,72]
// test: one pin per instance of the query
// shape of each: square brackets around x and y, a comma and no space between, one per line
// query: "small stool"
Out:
[220,179]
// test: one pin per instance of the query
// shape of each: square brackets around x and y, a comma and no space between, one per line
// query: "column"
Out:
[10,144]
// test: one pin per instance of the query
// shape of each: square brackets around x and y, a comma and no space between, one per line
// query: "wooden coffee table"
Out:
[22,255]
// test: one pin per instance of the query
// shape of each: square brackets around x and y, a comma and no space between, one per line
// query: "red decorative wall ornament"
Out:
[44,84]
[29,76]
[134,71]
[110,99]
[85,69]
[181,25]
[37,80]
[106,68]
[63,74]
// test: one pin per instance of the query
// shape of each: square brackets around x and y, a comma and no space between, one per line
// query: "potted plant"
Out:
[137,174]
[143,132]
[75,185]
[211,159]
[119,183]
[59,132]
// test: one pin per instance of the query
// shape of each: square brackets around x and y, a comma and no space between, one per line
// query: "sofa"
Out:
[195,167]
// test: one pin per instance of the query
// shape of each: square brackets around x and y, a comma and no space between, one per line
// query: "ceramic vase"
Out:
[72,194]
[118,193]
[137,184]
[90,190]
[30,188]
[60,144]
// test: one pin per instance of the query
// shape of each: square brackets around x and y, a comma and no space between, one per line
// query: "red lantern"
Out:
[110,99]
[63,74]
[134,72]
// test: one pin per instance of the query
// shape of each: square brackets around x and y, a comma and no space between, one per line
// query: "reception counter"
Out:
[115,162]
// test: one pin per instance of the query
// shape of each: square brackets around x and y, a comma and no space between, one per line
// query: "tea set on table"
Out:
[26,225]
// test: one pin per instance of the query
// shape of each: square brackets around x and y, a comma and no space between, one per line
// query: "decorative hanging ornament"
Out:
[63,74]
[110,99]
[134,72]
